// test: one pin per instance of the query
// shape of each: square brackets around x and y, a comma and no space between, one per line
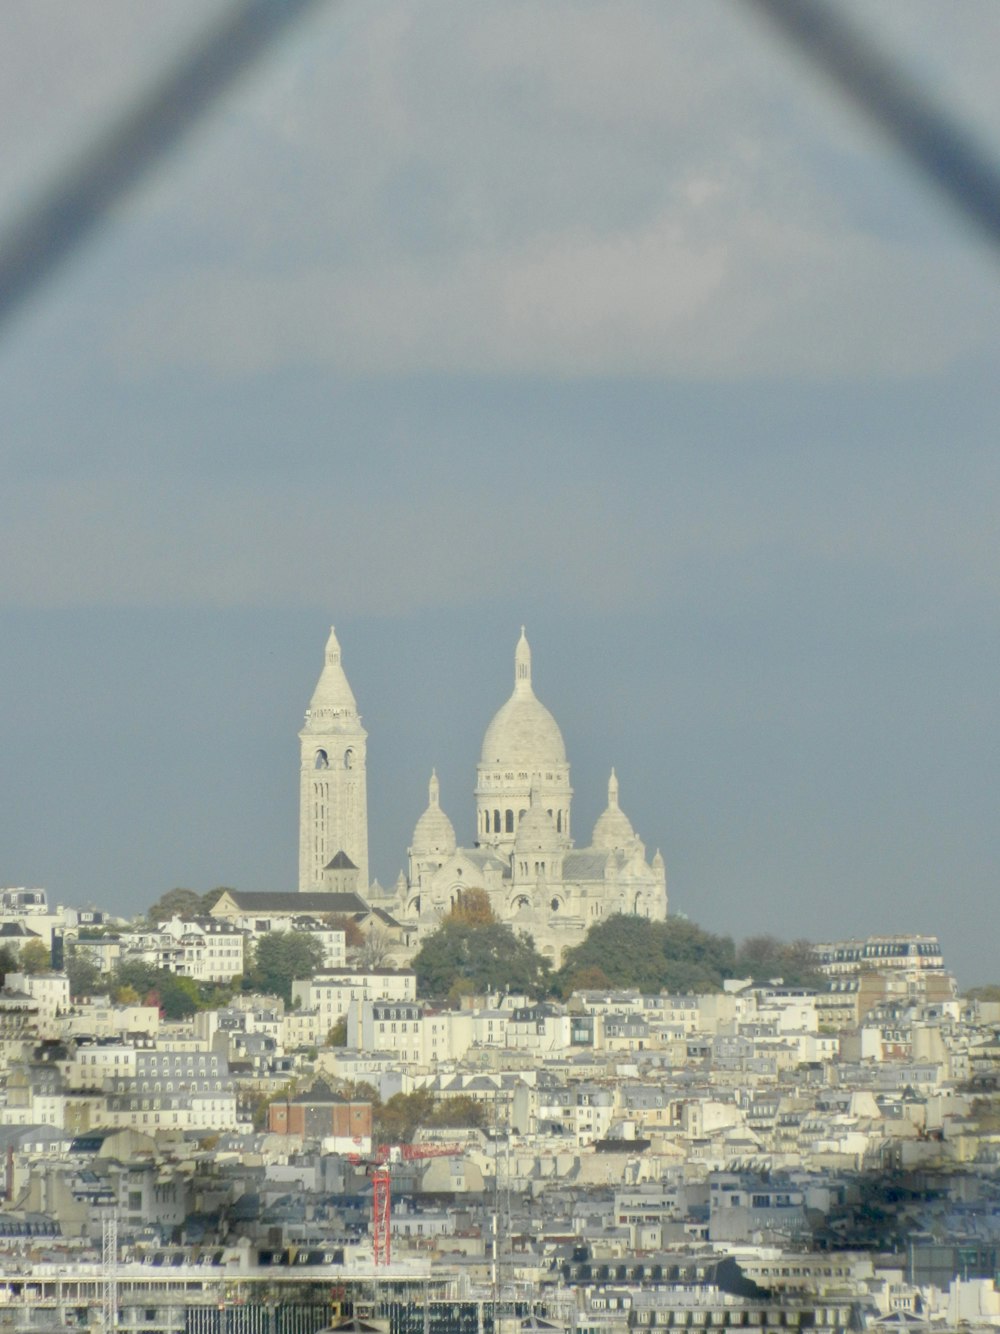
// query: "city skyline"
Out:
[454,319]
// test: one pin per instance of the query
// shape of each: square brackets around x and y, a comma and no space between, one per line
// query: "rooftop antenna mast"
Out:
[109,1269]
[501,1206]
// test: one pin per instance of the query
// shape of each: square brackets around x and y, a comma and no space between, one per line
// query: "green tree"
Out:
[675,955]
[8,960]
[143,978]
[989,991]
[397,1121]
[35,957]
[211,898]
[459,1111]
[175,903]
[484,958]
[178,996]
[337,1036]
[282,958]
[766,957]
[85,977]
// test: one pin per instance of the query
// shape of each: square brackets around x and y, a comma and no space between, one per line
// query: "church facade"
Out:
[522,856]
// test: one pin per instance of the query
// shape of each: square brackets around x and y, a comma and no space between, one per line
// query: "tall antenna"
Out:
[109,1269]
[501,1205]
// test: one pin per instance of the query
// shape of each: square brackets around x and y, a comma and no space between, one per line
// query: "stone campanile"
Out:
[333,794]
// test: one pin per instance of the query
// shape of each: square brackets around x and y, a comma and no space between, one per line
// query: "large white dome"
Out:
[523,734]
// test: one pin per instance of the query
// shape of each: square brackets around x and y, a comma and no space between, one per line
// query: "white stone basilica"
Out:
[523,856]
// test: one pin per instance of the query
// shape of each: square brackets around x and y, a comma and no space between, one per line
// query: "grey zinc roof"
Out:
[585,864]
[319,901]
[341,862]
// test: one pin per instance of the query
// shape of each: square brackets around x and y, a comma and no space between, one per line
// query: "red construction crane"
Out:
[379,1167]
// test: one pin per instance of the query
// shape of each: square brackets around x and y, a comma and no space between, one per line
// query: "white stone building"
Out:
[330,993]
[412,1032]
[207,949]
[523,855]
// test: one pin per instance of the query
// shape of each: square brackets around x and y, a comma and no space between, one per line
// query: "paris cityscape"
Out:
[498,652]
[510,1089]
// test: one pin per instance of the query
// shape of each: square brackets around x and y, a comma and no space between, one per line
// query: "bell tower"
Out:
[333,791]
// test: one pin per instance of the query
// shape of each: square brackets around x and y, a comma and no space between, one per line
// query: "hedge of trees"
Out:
[466,955]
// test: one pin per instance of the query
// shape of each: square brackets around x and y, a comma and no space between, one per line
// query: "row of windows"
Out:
[503,822]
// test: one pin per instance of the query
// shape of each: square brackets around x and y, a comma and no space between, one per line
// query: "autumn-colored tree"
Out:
[459,1111]
[472,908]
[397,1121]
[591,977]
[354,937]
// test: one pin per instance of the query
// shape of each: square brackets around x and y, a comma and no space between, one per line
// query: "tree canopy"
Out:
[397,1121]
[472,907]
[460,957]
[354,937]
[283,957]
[35,957]
[675,955]
[8,960]
[765,957]
[84,975]
[184,903]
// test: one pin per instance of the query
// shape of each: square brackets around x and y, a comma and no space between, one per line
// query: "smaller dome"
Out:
[537,830]
[613,830]
[434,831]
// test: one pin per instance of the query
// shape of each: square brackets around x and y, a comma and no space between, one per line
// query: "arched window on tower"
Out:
[558,822]
[322,760]
[496,822]
[509,823]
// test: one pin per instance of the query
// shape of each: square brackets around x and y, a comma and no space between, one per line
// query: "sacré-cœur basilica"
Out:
[523,855]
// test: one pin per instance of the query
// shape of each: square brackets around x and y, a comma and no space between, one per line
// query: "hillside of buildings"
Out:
[671,1128]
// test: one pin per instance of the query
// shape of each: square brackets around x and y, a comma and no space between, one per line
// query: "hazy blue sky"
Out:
[605,318]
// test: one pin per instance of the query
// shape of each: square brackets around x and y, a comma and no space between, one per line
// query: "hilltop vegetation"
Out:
[472,952]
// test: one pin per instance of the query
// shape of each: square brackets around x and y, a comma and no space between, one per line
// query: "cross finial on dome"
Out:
[434,789]
[613,791]
[522,663]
